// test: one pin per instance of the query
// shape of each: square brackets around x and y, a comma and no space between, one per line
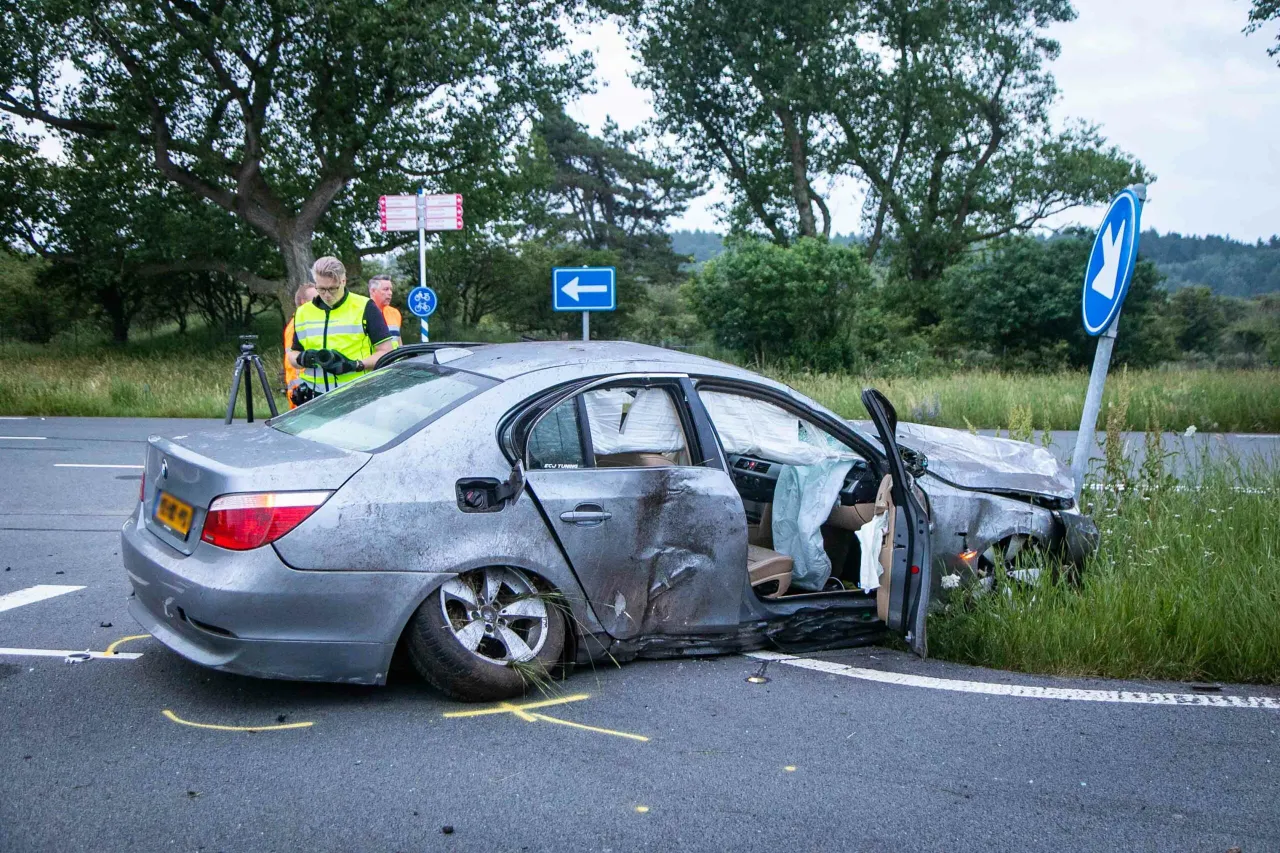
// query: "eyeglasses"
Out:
[333,289]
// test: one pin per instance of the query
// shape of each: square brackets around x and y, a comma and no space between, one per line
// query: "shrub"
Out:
[798,305]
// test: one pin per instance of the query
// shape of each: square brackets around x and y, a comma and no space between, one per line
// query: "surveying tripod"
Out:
[246,359]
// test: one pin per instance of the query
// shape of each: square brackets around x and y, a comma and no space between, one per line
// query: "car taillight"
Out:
[242,522]
[142,488]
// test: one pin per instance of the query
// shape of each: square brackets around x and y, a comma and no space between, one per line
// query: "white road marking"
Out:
[32,594]
[24,437]
[11,418]
[94,465]
[62,653]
[1022,691]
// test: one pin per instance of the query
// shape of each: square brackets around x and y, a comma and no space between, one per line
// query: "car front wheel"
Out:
[487,634]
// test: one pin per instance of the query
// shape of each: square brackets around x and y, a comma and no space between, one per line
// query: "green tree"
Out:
[1197,319]
[740,83]
[28,310]
[1265,11]
[798,304]
[272,110]
[526,300]
[1017,302]
[121,242]
[938,108]
[605,194]
[472,274]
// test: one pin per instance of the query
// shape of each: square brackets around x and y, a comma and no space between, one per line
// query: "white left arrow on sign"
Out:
[573,289]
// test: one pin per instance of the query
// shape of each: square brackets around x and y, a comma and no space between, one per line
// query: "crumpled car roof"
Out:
[983,462]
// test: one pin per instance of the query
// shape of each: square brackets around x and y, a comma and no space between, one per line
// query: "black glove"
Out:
[337,364]
[314,357]
[301,393]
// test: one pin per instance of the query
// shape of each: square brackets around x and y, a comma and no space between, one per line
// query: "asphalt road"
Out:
[811,760]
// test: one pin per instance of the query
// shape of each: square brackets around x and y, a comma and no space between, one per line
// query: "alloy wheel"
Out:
[495,613]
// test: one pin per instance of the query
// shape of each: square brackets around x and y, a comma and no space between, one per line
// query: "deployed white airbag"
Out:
[802,501]
[752,427]
[651,423]
[809,484]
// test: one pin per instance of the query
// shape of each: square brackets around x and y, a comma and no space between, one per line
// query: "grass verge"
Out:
[1185,586]
[189,376]
[1210,400]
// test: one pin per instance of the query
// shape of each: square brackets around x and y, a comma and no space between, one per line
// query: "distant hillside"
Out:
[702,245]
[1227,267]
[705,245]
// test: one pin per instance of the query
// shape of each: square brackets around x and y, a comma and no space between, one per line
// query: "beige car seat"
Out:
[762,534]
[765,566]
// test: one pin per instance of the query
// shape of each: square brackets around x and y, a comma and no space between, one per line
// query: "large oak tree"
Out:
[273,109]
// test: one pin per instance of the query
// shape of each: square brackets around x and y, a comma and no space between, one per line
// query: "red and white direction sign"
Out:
[428,212]
[398,212]
[443,212]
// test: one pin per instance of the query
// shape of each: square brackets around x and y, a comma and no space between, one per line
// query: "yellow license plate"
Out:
[174,514]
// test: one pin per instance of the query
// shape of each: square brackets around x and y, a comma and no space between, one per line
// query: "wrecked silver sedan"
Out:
[499,511]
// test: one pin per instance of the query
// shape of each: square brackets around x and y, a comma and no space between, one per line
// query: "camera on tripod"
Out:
[248,359]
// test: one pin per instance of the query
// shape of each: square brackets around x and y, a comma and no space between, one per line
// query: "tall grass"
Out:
[178,376]
[1214,400]
[1185,586]
[171,375]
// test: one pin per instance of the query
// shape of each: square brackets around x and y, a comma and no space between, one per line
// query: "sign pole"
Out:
[422,251]
[1106,282]
[586,325]
[1092,405]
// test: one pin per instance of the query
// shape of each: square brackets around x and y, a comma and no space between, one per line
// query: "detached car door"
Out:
[909,576]
[657,540]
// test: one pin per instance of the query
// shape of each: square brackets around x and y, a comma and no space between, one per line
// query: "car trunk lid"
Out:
[196,468]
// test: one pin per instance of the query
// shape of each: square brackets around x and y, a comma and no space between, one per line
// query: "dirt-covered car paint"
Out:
[330,600]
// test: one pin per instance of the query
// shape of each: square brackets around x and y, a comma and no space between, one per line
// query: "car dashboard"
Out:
[756,480]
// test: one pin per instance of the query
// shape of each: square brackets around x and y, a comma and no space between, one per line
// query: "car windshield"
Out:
[379,408]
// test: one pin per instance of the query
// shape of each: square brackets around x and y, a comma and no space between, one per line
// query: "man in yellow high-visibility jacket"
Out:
[380,287]
[338,335]
[293,375]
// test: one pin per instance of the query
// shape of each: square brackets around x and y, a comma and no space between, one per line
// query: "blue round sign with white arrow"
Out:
[1115,251]
[421,301]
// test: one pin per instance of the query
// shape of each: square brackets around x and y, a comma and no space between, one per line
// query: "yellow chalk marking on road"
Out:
[214,726]
[790,768]
[642,809]
[523,711]
[547,719]
[508,708]
[111,649]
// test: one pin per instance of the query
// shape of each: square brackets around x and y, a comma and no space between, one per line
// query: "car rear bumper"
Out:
[251,614]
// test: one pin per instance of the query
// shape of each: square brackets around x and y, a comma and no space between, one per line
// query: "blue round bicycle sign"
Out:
[1115,251]
[422,301]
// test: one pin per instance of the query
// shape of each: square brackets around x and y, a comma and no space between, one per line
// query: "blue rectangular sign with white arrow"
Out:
[583,289]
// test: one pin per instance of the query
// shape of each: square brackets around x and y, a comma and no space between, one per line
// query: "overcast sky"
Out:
[1174,82]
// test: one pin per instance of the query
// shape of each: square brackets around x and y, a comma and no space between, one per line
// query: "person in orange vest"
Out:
[380,287]
[293,375]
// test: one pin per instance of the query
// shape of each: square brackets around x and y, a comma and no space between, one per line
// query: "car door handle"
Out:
[587,515]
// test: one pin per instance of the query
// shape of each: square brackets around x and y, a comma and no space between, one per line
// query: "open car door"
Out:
[908,573]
